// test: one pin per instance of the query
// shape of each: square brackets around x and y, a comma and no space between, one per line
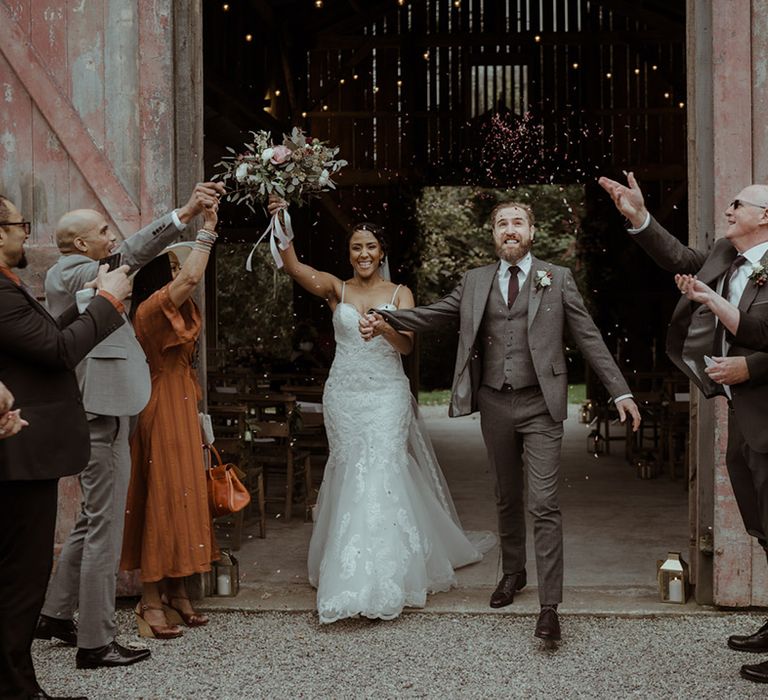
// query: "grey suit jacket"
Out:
[114,377]
[691,333]
[550,310]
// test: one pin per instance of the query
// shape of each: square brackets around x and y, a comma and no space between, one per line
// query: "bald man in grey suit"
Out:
[511,316]
[115,383]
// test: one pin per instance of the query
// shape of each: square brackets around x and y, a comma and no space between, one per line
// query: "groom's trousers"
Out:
[519,435]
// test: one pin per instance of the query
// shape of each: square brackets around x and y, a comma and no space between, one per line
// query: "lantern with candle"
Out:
[595,442]
[226,575]
[586,412]
[673,579]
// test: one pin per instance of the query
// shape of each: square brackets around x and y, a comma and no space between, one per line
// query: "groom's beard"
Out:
[513,254]
[22,262]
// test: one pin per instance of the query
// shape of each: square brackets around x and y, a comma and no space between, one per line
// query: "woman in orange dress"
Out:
[168,529]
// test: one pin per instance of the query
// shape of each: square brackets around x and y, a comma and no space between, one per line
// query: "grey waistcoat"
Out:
[504,340]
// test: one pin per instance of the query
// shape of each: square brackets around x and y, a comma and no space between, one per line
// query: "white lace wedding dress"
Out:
[386,532]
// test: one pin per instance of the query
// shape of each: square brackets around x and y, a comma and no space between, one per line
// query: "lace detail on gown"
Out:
[386,533]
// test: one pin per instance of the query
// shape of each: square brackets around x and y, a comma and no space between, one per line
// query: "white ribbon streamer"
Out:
[280,234]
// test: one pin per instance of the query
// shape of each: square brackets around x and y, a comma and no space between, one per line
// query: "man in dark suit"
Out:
[38,354]
[510,365]
[740,374]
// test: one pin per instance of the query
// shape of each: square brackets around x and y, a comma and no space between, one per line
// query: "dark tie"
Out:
[514,286]
[738,261]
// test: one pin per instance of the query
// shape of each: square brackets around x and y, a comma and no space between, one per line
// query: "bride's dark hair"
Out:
[376,230]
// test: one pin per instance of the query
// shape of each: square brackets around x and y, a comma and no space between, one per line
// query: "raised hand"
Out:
[628,200]
[694,289]
[275,204]
[205,194]
[211,216]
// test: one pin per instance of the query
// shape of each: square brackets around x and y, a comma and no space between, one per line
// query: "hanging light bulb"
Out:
[319,4]
[225,7]
[249,37]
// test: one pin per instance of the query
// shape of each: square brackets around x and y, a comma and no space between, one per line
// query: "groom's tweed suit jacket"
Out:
[114,377]
[691,331]
[550,309]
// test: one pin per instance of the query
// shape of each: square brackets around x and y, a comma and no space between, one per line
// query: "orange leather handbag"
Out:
[226,493]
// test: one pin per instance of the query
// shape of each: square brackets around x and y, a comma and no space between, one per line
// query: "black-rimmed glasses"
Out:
[26,225]
[736,203]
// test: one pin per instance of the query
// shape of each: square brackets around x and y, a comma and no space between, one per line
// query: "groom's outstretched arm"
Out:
[442,314]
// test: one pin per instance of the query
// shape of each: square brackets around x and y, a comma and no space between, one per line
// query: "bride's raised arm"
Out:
[321,284]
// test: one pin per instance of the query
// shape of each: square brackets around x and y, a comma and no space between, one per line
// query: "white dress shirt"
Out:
[524,267]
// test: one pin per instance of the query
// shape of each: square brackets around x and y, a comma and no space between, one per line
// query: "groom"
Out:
[510,365]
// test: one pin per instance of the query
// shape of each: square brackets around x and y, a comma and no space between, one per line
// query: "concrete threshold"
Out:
[625,602]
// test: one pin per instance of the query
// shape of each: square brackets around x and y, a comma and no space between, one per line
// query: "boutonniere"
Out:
[759,275]
[543,279]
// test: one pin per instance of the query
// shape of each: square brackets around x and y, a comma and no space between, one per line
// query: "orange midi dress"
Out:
[168,530]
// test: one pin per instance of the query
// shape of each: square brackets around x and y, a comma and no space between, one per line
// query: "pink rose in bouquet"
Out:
[280,154]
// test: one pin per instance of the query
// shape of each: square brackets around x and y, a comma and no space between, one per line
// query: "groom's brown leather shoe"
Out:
[757,642]
[548,624]
[755,672]
[505,591]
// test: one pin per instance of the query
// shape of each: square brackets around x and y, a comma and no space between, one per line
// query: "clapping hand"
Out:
[628,200]
[694,289]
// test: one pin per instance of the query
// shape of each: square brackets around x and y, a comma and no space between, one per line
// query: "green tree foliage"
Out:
[255,309]
[455,235]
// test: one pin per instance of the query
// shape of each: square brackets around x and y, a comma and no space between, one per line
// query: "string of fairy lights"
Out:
[320,4]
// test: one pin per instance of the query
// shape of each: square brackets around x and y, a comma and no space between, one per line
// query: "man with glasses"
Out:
[43,436]
[733,370]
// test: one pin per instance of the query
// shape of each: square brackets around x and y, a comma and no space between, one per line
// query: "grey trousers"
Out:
[86,573]
[519,432]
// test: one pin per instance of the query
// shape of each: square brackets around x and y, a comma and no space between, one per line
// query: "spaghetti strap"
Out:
[343,285]
[394,296]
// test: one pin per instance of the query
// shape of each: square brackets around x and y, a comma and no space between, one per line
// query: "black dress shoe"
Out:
[505,591]
[755,672]
[50,627]
[113,654]
[548,625]
[757,642]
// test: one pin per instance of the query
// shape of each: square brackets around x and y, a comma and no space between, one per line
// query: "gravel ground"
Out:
[289,655]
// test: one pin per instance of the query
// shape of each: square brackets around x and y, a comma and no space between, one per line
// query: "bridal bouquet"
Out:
[296,170]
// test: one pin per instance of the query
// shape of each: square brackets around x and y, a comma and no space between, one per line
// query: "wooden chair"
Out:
[231,432]
[272,422]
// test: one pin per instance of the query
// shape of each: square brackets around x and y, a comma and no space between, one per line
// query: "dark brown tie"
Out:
[738,261]
[514,286]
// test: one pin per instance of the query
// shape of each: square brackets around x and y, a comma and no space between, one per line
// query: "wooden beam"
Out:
[525,39]
[641,13]
[67,124]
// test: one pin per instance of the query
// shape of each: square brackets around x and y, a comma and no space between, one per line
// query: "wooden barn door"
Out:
[728,149]
[100,108]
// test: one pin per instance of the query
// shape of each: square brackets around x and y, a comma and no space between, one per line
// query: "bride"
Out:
[386,532]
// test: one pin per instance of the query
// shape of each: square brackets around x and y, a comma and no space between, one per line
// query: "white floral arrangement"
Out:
[543,279]
[296,170]
[299,168]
